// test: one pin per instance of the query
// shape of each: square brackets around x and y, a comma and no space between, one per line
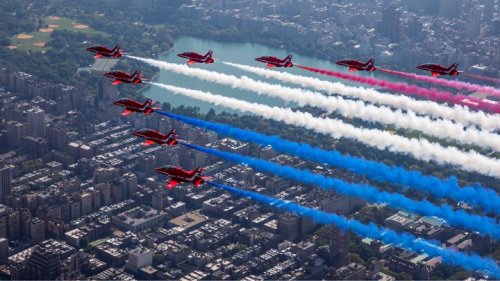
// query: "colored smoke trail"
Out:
[490,79]
[371,230]
[431,94]
[458,218]
[421,149]
[445,83]
[488,199]
[457,113]
[437,128]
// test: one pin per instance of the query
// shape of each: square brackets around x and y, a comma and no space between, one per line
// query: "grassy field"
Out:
[35,41]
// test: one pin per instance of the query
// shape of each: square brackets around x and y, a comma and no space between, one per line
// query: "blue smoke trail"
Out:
[388,236]
[484,225]
[488,199]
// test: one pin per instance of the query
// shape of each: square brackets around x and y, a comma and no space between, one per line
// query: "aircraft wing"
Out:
[435,74]
[172,183]
[126,112]
[270,65]
[148,143]
[98,56]
[190,61]
[116,82]
[352,69]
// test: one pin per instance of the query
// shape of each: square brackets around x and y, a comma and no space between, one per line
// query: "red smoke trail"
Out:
[446,83]
[432,94]
[490,79]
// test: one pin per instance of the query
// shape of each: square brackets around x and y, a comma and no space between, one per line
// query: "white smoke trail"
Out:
[418,148]
[358,109]
[457,113]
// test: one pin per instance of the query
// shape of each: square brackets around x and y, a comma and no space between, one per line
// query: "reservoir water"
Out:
[242,53]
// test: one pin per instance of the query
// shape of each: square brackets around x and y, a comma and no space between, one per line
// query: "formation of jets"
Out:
[270,61]
[178,175]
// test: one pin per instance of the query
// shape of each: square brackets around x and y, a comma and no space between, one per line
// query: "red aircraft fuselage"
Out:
[178,175]
[123,77]
[134,106]
[276,62]
[355,65]
[193,57]
[437,69]
[153,137]
[103,51]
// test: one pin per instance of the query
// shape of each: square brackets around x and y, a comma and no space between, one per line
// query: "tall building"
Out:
[15,133]
[5,183]
[488,10]
[390,26]
[36,122]
[473,27]
[4,250]
[3,226]
[25,220]
[57,136]
[450,8]
[289,226]
[13,226]
[86,203]
[37,230]
[44,264]
[138,258]
[430,7]
[339,242]
[106,90]
[129,184]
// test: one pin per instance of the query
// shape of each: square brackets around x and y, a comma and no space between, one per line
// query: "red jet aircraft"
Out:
[135,106]
[153,137]
[274,61]
[102,51]
[123,77]
[355,65]
[179,175]
[437,69]
[195,57]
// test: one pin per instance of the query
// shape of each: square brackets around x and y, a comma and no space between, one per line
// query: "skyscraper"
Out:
[5,183]
[36,122]
[390,26]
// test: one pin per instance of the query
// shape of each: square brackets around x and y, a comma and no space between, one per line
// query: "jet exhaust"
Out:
[487,198]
